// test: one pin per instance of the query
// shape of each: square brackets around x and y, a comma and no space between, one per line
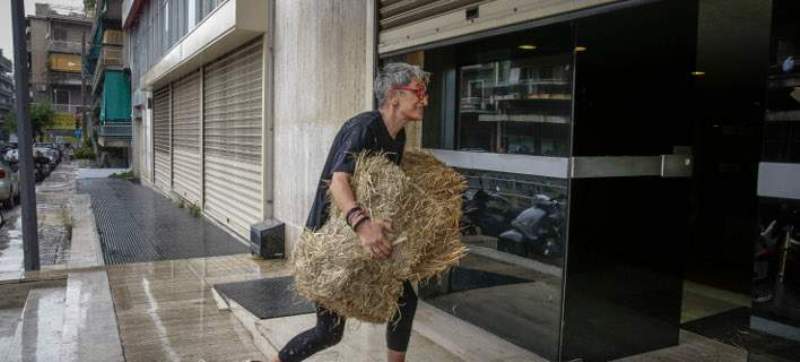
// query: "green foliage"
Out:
[10,124]
[84,153]
[89,5]
[127,175]
[194,210]
[42,116]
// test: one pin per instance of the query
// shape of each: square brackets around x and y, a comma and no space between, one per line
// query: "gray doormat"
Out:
[267,298]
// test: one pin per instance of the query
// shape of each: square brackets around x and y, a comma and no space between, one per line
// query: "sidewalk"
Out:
[80,309]
[137,224]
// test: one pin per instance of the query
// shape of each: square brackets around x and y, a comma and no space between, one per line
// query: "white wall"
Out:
[322,78]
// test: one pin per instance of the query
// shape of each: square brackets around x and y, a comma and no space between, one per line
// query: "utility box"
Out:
[267,239]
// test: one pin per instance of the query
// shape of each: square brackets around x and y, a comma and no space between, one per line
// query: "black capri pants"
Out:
[330,329]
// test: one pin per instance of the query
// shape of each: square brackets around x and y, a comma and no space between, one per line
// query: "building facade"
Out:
[6,92]
[55,42]
[110,84]
[606,166]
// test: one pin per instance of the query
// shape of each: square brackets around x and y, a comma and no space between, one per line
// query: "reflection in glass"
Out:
[510,283]
[516,106]
[506,94]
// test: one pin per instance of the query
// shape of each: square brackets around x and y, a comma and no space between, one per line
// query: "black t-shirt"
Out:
[365,131]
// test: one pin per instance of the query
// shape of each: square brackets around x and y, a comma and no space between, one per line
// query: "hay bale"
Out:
[423,200]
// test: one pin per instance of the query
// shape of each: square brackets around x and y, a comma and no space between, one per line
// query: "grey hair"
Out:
[397,75]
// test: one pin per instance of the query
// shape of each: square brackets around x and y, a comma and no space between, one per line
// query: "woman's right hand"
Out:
[372,234]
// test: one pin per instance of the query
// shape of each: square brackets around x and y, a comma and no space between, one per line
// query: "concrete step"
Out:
[90,330]
[38,333]
[436,336]
[12,305]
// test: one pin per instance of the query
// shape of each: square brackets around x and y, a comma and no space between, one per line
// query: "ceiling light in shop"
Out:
[580,49]
[698,73]
[527,47]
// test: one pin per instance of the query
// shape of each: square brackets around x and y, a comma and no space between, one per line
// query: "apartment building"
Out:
[6,91]
[54,41]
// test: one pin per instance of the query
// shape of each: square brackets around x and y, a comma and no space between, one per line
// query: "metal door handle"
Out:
[677,165]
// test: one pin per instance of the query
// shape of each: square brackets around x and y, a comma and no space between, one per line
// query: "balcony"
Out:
[62,62]
[63,78]
[115,130]
[114,134]
[66,108]
[63,46]
[110,58]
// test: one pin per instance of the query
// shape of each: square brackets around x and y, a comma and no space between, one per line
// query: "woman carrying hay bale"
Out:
[401,91]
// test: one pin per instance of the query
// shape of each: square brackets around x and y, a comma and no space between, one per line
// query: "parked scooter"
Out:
[536,230]
[485,213]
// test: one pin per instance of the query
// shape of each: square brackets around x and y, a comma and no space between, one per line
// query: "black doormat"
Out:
[733,328]
[267,298]
[467,279]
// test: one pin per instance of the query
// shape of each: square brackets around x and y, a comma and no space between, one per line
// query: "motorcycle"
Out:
[485,213]
[536,230]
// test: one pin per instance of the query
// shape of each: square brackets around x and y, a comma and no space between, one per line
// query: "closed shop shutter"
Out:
[161,135]
[232,133]
[407,24]
[186,172]
[394,13]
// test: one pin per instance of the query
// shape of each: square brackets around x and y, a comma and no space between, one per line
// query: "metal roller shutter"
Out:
[395,13]
[232,101]
[186,172]
[161,142]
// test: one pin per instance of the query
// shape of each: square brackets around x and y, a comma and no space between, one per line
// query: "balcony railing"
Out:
[110,56]
[66,108]
[120,130]
[64,78]
[64,46]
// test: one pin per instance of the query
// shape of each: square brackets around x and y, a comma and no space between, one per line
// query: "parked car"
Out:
[51,147]
[53,155]
[41,163]
[11,155]
[9,185]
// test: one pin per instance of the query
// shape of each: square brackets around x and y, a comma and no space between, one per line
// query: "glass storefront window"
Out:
[515,106]
[507,94]
[510,282]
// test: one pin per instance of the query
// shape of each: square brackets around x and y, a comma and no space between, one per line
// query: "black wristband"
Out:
[359,222]
[350,213]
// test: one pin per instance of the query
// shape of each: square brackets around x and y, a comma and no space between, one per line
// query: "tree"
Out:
[89,5]
[42,117]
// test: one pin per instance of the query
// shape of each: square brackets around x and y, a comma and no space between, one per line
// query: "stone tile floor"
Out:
[166,309]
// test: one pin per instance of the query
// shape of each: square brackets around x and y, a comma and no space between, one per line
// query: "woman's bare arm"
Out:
[371,232]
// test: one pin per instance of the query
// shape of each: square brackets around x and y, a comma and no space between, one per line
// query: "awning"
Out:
[116,102]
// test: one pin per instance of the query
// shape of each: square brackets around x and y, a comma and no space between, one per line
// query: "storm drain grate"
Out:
[137,224]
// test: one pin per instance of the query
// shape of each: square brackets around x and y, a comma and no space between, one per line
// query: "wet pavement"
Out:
[54,225]
[11,253]
[167,311]
[136,224]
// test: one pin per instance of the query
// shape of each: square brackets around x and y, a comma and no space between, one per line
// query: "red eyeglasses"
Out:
[421,92]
